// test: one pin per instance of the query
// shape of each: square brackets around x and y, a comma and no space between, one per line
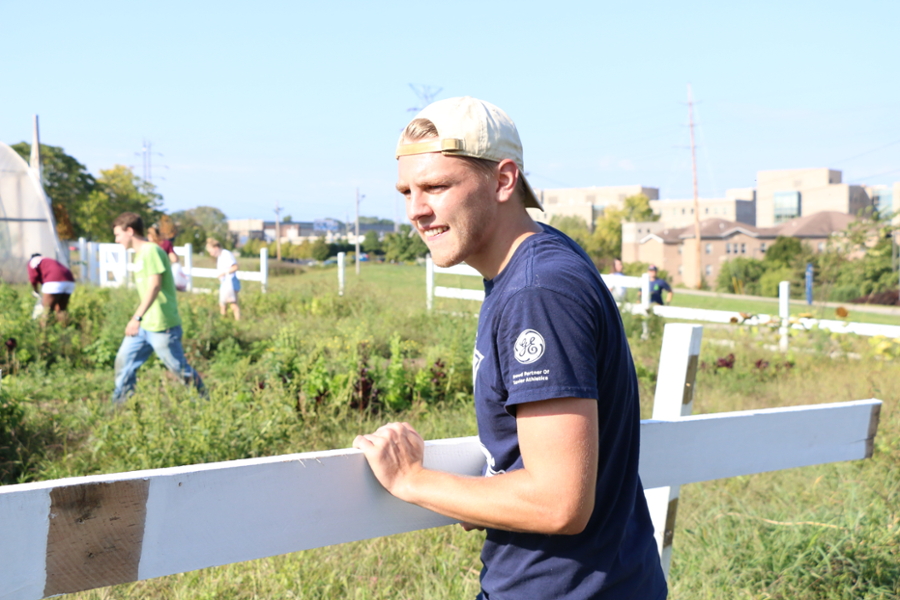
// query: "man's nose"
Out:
[417,206]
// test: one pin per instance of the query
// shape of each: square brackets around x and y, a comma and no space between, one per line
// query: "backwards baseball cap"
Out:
[652,268]
[474,128]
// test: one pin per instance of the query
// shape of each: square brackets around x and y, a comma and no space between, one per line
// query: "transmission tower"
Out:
[425,95]
[146,155]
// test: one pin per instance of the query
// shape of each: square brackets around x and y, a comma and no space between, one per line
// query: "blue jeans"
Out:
[135,350]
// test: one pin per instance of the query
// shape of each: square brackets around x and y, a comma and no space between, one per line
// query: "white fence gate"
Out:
[107,265]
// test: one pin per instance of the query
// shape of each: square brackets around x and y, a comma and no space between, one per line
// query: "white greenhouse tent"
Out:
[26,216]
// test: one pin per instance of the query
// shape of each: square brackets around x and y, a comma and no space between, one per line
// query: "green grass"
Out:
[284,380]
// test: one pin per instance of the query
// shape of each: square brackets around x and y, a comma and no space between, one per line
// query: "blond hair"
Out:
[213,243]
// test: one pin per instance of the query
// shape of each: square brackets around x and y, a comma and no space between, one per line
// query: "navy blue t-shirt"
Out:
[656,289]
[549,328]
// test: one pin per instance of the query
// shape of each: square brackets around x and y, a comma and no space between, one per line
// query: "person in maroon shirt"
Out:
[56,281]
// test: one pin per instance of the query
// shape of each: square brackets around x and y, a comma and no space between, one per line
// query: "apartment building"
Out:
[788,194]
[674,250]
[585,203]
[739,205]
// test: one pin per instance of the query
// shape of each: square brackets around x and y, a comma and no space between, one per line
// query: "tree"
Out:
[740,275]
[784,252]
[67,183]
[320,249]
[404,245]
[371,243]
[606,242]
[374,221]
[117,190]
[636,209]
[196,224]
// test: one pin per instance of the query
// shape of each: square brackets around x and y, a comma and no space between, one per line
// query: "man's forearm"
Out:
[148,300]
[512,501]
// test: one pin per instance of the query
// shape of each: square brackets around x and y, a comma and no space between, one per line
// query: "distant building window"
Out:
[743,248]
[884,202]
[728,248]
[762,247]
[821,246]
[709,248]
[679,249]
[709,269]
[787,206]
[706,210]
[682,211]
[692,211]
[679,269]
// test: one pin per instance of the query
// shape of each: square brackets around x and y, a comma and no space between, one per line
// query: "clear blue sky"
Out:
[302,102]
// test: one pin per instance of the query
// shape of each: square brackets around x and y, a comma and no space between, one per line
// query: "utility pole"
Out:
[277,231]
[357,231]
[696,194]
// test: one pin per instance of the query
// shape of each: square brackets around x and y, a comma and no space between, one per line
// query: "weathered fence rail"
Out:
[74,534]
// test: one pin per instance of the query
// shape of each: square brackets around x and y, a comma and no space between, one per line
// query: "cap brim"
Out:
[531,200]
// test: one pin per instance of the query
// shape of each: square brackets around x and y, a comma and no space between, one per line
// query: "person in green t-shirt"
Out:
[156,324]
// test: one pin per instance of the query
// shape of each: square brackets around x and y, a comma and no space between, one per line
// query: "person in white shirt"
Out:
[229,285]
[617,289]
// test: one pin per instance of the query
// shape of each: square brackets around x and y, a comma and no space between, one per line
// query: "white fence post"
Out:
[784,311]
[188,265]
[645,291]
[264,267]
[675,383]
[429,282]
[93,274]
[82,260]
[129,260]
[340,265]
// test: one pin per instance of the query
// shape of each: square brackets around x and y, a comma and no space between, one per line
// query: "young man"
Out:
[618,291]
[229,286]
[657,286]
[556,396]
[56,284]
[156,324]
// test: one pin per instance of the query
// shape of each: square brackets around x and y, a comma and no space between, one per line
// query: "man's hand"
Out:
[395,452]
[133,328]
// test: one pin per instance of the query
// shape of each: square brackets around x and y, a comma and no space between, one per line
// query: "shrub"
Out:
[12,418]
[768,283]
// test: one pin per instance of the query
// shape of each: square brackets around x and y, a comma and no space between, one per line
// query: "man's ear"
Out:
[507,178]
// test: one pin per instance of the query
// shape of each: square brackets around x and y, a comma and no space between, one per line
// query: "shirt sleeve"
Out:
[547,347]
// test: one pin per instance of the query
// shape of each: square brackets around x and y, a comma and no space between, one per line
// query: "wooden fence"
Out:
[81,533]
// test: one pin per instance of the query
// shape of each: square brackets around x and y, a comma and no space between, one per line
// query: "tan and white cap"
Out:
[475,128]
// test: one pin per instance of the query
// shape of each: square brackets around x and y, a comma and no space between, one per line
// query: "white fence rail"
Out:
[670,312]
[81,533]
[107,265]
[74,534]
[435,291]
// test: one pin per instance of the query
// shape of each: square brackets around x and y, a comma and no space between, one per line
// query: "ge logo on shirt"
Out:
[529,346]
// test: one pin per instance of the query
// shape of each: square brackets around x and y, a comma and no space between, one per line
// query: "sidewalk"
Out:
[870,308]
